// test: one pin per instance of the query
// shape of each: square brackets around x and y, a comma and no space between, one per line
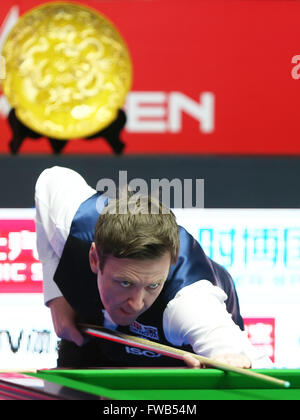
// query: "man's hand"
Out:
[63,317]
[235,360]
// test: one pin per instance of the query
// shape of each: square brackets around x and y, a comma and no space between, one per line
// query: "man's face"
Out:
[129,287]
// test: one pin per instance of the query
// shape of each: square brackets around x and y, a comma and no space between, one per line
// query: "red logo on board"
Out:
[261,333]
[20,268]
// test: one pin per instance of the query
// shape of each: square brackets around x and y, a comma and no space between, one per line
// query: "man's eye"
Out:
[154,286]
[125,283]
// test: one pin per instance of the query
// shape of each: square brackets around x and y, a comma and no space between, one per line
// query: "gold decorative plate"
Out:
[68,70]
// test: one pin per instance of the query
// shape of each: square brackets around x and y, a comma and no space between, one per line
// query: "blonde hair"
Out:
[142,228]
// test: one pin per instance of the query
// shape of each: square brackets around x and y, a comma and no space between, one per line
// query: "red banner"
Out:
[20,269]
[261,333]
[209,77]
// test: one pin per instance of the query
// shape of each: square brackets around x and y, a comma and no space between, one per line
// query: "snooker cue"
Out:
[121,338]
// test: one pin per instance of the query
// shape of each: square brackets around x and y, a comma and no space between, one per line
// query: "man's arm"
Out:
[63,318]
[48,257]
[58,194]
[197,316]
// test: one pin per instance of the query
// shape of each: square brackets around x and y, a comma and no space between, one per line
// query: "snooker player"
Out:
[138,273]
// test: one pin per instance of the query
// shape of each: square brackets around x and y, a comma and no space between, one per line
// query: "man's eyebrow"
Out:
[124,278]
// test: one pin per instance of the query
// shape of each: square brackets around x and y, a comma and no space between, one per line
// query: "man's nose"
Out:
[136,301]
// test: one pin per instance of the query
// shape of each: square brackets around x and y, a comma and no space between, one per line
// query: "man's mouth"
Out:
[127,313]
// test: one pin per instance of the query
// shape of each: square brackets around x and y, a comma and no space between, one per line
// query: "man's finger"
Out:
[71,333]
[77,337]
[191,361]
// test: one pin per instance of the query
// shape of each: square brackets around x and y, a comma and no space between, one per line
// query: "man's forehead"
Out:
[141,280]
[126,267]
[145,262]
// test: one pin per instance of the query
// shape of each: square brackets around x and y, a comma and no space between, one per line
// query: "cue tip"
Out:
[287,384]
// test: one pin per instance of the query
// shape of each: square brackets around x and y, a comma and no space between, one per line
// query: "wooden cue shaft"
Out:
[174,352]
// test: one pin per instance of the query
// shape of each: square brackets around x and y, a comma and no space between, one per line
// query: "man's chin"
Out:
[125,323]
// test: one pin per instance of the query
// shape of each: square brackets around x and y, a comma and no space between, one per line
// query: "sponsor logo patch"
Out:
[144,330]
[139,352]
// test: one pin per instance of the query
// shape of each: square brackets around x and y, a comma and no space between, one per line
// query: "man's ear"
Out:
[94,259]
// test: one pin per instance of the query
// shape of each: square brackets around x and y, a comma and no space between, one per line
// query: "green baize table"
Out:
[174,384]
